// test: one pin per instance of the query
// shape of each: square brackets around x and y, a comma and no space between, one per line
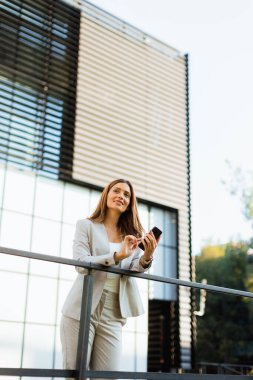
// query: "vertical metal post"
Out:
[83,338]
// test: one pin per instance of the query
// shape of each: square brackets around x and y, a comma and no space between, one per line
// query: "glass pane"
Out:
[128,351]
[19,191]
[76,203]
[64,288]
[58,350]
[170,233]
[156,289]
[67,271]
[2,173]
[42,302]
[46,240]
[48,202]
[157,267]
[144,216]
[156,219]
[13,263]
[38,346]
[12,296]
[46,237]
[16,230]
[170,291]
[67,237]
[142,320]
[141,351]
[94,199]
[11,344]
[44,268]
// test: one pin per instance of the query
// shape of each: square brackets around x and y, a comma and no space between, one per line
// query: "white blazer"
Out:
[91,245]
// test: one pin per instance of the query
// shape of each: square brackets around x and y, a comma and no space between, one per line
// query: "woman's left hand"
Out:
[150,244]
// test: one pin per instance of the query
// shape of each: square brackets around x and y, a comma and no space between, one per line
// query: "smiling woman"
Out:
[110,236]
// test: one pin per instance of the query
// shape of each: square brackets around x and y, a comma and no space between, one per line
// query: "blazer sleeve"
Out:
[81,247]
[135,263]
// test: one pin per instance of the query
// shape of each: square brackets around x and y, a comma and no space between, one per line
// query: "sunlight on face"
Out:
[118,197]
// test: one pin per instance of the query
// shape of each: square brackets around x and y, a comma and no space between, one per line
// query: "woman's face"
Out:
[118,197]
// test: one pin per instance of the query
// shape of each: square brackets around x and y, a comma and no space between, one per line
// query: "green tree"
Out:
[225,333]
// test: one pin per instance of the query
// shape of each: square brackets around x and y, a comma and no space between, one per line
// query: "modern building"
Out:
[88,98]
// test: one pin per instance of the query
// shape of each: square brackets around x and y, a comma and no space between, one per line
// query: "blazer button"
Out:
[107,262]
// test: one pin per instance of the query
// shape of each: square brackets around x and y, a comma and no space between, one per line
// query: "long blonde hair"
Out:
[129,222]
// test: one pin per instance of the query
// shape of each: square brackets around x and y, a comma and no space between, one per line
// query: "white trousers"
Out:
[105,336]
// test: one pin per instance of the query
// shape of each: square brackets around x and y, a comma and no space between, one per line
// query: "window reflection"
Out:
[16,230]
[12,300]
[11,344]
[48,202]
[128,340]
[38,346]
[141,352]
[64,288]
[2,174]
[67,237]
[46,237]
[165,264]
[58,350]
[170,235]
[156,216]
[67,271]
[19,191]
[76,203]
[144,216]
[41,304]
[94,198]
[13,263]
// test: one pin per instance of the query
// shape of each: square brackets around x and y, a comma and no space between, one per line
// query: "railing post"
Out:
[83,338]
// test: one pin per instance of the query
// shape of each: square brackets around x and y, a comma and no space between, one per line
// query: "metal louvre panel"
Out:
[97,101]
[38,77]
[131,122]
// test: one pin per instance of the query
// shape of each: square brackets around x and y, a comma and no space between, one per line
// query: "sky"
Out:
[217,35]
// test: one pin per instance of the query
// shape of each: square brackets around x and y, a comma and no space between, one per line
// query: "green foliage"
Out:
[212,252]
[225,332]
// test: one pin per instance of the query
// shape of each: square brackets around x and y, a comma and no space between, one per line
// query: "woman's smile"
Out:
[119,201]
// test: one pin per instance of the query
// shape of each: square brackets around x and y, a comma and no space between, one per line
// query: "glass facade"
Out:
[39,214]
[38,84]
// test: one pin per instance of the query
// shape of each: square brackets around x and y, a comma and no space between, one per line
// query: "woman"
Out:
[110,236]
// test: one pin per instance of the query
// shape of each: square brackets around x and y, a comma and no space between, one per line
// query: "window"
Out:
[38,84]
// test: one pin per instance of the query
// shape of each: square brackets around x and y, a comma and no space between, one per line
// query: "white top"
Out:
[112,281]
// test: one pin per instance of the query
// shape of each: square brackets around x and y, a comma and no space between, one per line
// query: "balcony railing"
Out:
[81,372]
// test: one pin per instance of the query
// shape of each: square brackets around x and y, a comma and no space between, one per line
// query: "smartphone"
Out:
[156,233]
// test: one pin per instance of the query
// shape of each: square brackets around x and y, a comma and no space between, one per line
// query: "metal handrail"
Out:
[166,280]
[81,373]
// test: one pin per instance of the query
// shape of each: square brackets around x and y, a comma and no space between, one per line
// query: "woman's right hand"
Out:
[129,245]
